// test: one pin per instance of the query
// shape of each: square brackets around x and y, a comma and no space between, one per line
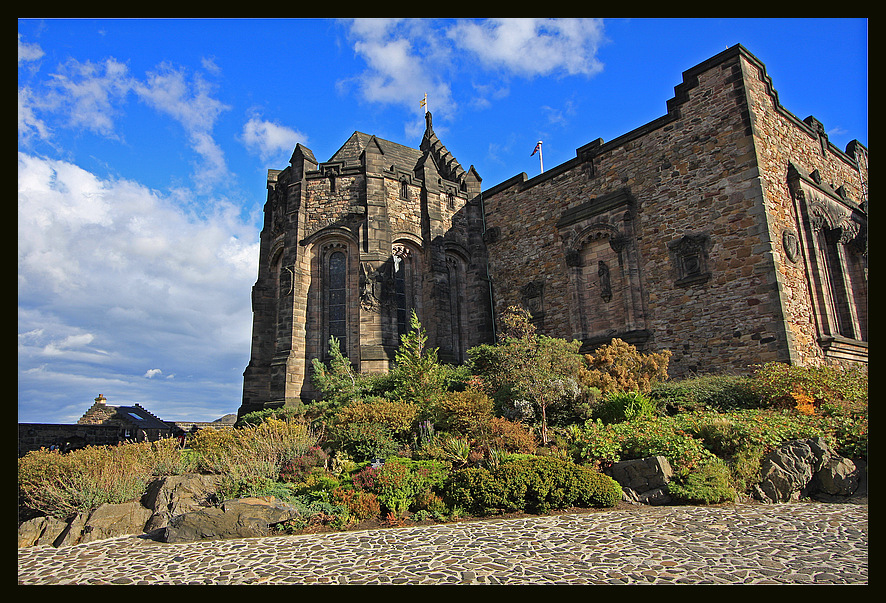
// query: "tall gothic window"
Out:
[404,295]
[337,298]
[455,269]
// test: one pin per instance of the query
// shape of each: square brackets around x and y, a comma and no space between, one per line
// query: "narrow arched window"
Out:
[336,298]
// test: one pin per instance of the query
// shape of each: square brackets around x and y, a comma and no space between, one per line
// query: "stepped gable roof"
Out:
[446,163]
[101,413]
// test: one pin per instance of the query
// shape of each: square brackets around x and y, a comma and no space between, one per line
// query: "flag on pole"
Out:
[537,149]
[424,103]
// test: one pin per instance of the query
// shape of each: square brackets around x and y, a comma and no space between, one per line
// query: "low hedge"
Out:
[529,485]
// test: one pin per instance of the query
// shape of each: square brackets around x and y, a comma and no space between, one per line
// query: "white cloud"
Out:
[88,93]
[270,140]
[406,58]
[191,104]
[113,277]
[401,57]
[28,52]
[530,47]
[151,373]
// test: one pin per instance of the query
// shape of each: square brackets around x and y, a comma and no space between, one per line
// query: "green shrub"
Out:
[365,441]
[844,391]
[398,416]
[463,413]
[616,407]
[533,485]
[709,483]
[283,413]
[399,482]
[594,444]
[706,392]
[246,456]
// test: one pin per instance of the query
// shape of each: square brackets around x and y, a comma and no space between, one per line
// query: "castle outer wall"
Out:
[727,231]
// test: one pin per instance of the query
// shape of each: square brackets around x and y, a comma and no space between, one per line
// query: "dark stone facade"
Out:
[727,231]
[350,247]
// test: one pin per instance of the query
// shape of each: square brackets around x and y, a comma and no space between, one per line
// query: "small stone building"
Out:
[134,422]
[728,231]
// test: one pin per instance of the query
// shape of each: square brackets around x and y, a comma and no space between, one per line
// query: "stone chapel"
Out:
[728,231]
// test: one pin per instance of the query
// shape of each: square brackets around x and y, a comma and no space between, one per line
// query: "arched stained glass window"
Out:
[337,297]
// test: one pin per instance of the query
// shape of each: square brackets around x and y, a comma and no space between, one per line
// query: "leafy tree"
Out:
[527,365]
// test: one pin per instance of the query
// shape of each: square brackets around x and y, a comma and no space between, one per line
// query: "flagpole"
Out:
[537,149]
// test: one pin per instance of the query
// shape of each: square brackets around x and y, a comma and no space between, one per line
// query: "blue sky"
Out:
[144,147]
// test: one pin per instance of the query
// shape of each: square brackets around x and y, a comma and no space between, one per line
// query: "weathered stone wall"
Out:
[782,139]
[668,236]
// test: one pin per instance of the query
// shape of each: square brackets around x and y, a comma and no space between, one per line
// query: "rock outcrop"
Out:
[644,481]
[802,468]
[240,518]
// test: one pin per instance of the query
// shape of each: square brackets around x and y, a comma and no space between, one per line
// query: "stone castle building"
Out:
[727,231]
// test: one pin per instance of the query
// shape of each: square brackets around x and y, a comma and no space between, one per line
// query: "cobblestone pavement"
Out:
[800,543]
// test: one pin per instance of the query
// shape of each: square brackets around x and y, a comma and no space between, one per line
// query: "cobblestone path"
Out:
[800,543]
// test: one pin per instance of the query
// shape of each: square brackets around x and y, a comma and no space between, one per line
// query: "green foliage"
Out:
[246,456]
[365,441]
[709,483]
[60,485]
[312,513]
[418,376]
[534,485]
[464,413]
[706,392]
[339,382]
[525,365]
[283,413]
[398,483]
[618,366]
[398,416]
[616,407]
[844,391]
[298,469]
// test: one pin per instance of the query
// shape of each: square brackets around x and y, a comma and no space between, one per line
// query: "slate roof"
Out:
[398,155]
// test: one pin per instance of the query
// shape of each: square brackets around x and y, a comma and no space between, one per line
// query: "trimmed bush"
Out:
[397,416]
[706,392]
[463,413]
[532,485]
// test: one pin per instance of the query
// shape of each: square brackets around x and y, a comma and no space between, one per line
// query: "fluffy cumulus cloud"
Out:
[270,140]
[112,277]
[530,47]
[407,58]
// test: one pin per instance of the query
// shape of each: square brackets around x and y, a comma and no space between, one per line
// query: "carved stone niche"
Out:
[689,255]
[532,295]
